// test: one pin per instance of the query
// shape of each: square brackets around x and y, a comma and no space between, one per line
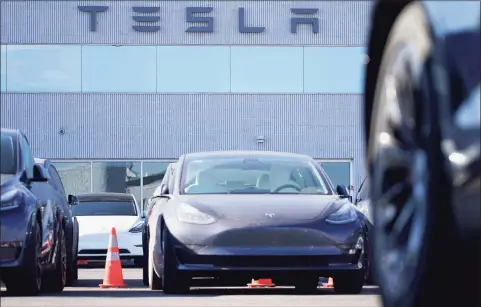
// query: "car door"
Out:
[70,220]
[42,193]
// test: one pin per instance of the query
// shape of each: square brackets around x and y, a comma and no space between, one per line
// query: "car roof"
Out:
[41,161]
[247,154]
[104,196]
[10,132]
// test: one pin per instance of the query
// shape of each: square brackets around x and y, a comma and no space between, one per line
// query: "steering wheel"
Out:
[285,186]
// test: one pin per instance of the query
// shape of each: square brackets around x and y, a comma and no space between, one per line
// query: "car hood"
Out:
[254,207]
[6,180]
[104,223]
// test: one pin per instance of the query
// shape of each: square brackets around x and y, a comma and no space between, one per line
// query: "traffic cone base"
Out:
[113,277]
[261,283]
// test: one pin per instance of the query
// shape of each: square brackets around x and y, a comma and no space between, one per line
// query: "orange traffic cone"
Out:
[113,277]
[330,283]
[261,283]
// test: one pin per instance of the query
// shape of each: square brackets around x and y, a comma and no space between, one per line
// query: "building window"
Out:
[334,69]
[118,177]
[3,68]
[43,68]
[266,69]
[152,173]
[119,69]
[193,69]
[338,171]
[75,176]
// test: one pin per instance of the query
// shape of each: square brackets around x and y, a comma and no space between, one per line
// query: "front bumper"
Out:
[14,230]
[93,247]
[269,251]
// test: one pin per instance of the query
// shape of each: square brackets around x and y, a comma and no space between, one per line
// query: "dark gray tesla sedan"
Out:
[234,216]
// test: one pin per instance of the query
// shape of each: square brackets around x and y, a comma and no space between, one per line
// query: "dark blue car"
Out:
[71,224]
[422,126]
[33,255]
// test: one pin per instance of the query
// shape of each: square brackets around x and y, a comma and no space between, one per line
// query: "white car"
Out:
[96,214]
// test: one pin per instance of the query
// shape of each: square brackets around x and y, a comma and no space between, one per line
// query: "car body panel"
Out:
[455,29]
[34,202]
[289,230]
[56,189]
[94,231]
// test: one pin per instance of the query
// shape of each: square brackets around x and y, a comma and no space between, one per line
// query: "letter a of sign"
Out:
[314,21]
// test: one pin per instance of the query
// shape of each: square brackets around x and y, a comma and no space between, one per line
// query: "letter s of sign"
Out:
[151,19]
[189,17]
[314,21]
[93,10]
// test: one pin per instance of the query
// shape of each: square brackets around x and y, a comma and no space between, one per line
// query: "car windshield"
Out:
[252,176]
[90,208]
[9,160]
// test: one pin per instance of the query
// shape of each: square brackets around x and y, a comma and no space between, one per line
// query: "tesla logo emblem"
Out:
[270,215]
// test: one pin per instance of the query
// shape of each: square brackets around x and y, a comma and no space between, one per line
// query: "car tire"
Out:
[145,272]
[307,284]
[30,282]
[173,281]
[56,280]
[72,268]
[349,283]
[419,280]
[153,280]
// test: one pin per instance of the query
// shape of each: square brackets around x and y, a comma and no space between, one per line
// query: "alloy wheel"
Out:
[399,177]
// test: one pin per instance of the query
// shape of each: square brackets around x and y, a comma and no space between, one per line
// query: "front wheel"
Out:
[30,282]
[56,280]
[410,189]
[173,281]
[153,280]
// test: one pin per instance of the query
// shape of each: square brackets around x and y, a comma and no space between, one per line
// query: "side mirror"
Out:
[164,190]
[341,190]
[39,174]
[72,200]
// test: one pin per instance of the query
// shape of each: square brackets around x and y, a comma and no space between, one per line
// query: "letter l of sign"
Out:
[242,24]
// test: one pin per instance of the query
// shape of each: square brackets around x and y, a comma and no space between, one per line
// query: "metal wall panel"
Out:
[59,22]
[153,126]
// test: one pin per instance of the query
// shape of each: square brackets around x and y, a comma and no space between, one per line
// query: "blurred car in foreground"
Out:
[422,117]
[97,213]
[33,254]
[239,215]
[70,222]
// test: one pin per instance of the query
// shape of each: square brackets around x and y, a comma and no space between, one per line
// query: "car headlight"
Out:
[346,214]
[10,200]
[137,227]
[188,214]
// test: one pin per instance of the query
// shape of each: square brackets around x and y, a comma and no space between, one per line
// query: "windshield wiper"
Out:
[249,190]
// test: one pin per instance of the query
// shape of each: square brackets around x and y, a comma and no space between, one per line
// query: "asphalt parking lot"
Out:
[88,293]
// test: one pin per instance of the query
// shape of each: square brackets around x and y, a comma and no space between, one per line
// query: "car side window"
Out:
[28,160]
[171,181]
[56,180]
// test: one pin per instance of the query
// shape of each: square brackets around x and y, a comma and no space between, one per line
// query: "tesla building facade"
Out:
[113,91]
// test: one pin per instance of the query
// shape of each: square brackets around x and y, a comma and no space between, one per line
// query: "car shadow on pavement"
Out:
[135,288]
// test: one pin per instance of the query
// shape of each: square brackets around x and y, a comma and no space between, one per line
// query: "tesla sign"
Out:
[146,19]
